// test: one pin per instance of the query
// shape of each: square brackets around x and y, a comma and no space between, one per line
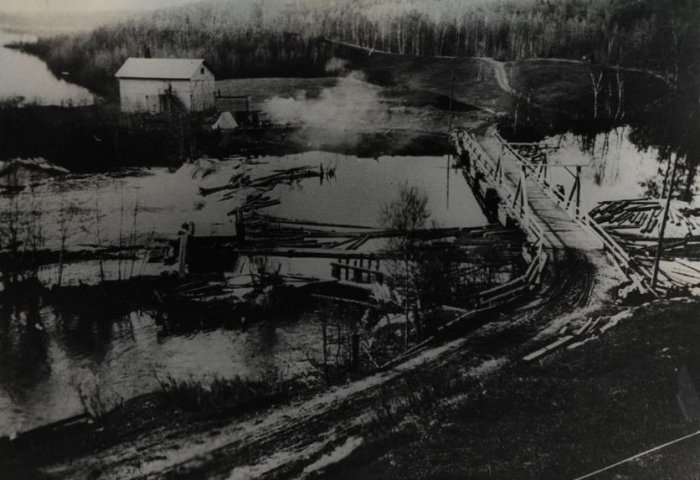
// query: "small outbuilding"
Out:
[158,85]
[225,122]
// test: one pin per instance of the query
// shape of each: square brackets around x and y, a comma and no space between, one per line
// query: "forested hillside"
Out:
[283,37]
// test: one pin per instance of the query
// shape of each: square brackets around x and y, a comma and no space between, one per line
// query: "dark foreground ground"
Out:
[572,413]
[566,416]
[470,409]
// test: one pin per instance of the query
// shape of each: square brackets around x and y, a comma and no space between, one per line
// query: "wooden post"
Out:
[184,233]
[578,191]
[325,344]
[499,171]
[447,190]
[523,200]
[574,191]
[355,348]
[540,267]
[662,227]
[452,89]
[517,192]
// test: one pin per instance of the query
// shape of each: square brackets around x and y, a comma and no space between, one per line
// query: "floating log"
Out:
[318,224]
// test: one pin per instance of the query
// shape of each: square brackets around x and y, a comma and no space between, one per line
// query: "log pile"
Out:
[636,224]
[641,219]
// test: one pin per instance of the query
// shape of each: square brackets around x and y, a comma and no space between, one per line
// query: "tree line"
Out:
[246,38]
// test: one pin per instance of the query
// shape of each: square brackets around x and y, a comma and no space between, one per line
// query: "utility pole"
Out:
[452,91]
[662,228]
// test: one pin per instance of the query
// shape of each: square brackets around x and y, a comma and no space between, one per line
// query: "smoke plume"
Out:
[351,105]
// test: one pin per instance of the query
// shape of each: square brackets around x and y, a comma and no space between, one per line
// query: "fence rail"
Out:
[636,273]
[515,203]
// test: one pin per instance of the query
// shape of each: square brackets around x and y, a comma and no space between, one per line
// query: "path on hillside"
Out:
[645,71]
[499,71]
[503,79]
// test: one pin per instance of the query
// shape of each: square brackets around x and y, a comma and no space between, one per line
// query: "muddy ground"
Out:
[381,409]
[470,408]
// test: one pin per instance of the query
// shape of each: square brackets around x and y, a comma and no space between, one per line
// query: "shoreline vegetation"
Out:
[554,99]
[101,138]
[247,39]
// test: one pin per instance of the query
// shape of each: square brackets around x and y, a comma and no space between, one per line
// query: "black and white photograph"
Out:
[349,239]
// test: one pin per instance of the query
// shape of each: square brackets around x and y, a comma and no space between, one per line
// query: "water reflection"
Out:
[48,353]
[655,126]
[613,167]
[136,205]
[28,77]
[24,359]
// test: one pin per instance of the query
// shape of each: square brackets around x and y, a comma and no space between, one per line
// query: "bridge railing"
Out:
[640,276]
[515,203]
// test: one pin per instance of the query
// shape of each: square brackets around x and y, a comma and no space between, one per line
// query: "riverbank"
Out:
[565,415]
[100,138]
[315,424]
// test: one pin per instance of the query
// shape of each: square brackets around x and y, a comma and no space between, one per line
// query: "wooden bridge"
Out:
[548,213]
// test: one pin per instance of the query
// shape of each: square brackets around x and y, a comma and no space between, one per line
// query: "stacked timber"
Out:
[641,219]
[636,224]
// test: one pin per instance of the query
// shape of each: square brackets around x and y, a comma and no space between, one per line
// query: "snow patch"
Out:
[340,452]
[575,345]
[251,472]
[615,319]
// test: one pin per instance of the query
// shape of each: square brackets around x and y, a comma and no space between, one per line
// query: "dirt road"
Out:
[500,73]
[281,443]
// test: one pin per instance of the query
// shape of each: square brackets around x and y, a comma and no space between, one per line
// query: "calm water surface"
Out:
[26,76]
[47,355]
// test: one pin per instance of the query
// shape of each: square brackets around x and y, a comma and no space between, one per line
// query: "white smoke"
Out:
[352,104]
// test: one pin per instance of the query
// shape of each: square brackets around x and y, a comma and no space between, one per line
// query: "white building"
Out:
[161,84]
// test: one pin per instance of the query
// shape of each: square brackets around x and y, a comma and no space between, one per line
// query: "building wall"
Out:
[203,90]
[143,95]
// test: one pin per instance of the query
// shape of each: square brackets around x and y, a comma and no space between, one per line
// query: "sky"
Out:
[27,6]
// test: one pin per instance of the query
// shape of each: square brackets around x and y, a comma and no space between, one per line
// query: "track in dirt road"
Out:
[500,73]
[281,443]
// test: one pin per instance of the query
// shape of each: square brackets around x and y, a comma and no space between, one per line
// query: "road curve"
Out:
[500,73]
[281,442]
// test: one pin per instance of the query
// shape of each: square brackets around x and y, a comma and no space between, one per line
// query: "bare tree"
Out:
[596,85]
[406,214]
[65,219]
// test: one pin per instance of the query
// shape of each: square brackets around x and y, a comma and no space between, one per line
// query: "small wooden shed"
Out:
[158,85]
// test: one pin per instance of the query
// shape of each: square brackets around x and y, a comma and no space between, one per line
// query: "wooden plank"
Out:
[549,348]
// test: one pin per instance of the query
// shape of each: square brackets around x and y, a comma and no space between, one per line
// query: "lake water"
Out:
[47,353]
[164,199]
[613,168]
[27,76]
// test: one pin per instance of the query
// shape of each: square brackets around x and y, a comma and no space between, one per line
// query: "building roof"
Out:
[160,68]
